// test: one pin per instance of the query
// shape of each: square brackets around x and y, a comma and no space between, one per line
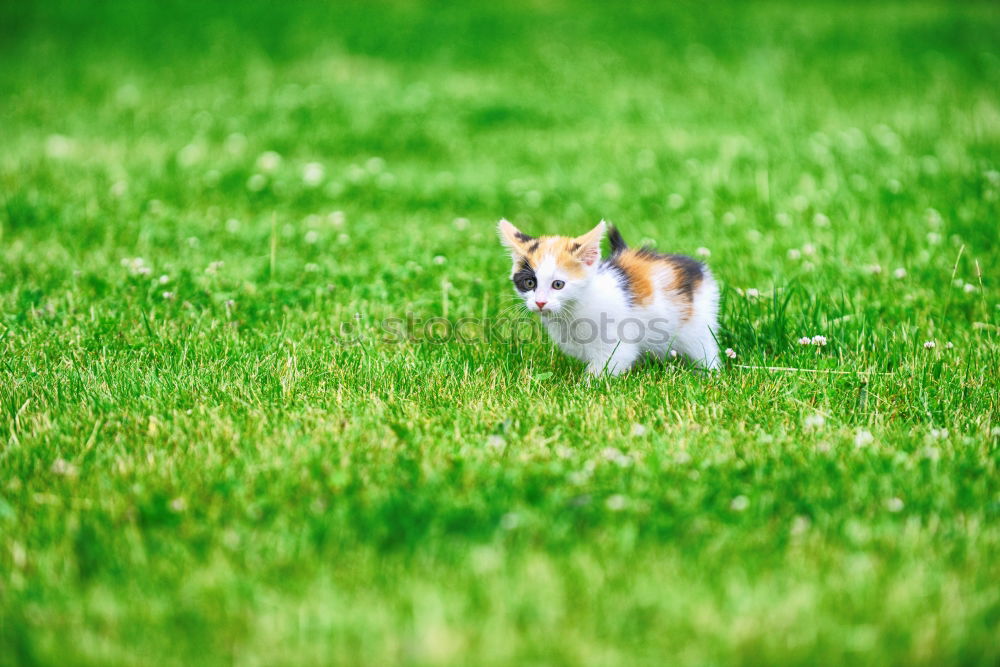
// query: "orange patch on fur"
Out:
[562,248]
[638,269]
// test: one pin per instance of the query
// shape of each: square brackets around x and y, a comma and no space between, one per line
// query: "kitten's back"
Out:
[643,271]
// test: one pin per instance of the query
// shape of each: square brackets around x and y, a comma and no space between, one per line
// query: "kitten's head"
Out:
[550,271]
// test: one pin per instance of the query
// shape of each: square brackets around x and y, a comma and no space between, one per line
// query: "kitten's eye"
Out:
[558,284]
[529,283]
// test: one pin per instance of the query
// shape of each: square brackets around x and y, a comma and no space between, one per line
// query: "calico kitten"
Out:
[608,312]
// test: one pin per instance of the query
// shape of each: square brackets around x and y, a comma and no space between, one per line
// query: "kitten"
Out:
[608,312]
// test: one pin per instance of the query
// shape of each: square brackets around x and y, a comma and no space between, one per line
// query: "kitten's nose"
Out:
[540,304]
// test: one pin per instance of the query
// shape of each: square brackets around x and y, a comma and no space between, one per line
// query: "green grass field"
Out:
[211,451]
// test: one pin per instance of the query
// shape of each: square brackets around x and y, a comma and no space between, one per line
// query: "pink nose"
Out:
[540,304]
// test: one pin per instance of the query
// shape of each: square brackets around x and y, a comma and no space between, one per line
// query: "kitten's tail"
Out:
[618,244]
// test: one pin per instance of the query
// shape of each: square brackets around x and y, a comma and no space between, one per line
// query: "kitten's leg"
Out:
[614,361]
[700,347]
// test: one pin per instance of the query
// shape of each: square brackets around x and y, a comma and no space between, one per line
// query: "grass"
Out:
[239,465]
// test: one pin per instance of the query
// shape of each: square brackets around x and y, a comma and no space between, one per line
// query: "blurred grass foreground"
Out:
[197,467]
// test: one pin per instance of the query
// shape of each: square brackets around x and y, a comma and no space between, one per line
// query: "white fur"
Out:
[624,332]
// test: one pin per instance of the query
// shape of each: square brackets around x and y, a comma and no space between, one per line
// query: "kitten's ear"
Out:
[513,238]
[589,250]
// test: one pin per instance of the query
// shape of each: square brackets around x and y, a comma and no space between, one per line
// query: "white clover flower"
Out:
[874,269]
[232,225]
[564,452]
[190,155]
[863,438]
[969,288]
[673,354]
[440,259]
[933,238]
[178,504]
[949,345]
[313,174]
[119,188]
[703,252]
[213,268]
[616,456]
[59,146]
[311,267]
[343,239]
[805,340]
[731,353]
[638,430]
[821,220]
[510,521]
[752,293]
[819,341]
[268,161]
[809,249]
[894,505]
[899,273]
[495,442]
[257,182]
[460,223]
[616,503]
[337,218]
[814,421]
[169,296]
[137,266]
[930,345]
[938,433]
[164,279]
[739,503]
[63,467]
[311,237]
[794,254]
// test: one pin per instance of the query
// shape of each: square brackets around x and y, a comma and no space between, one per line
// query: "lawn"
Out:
[241,424]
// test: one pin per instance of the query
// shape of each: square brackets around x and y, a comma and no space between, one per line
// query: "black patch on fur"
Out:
[691,270]
[574,247]
[623,281]
[523,274]
[618,244]
[533,247]
[522,237]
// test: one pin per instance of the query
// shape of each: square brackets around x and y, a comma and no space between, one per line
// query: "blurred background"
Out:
[193,194]
[689,123]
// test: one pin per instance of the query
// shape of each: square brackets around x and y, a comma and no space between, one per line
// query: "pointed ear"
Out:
[589,250]
[513,238]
